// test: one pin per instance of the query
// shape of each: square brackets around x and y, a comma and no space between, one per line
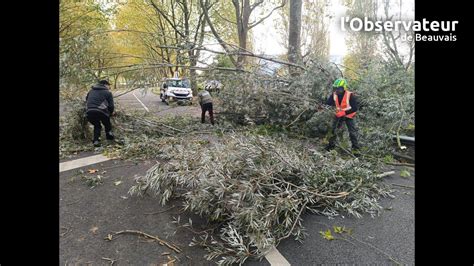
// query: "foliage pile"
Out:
[139,134]
[386,96]
[257,187]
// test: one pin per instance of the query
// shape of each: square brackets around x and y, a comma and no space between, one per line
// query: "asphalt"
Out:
[109,208]
[155,105]
[391,233]
[88,215]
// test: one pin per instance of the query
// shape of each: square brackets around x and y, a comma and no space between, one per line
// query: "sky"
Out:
[267,40]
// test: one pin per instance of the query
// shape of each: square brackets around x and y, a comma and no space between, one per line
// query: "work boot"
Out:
[109,136]
[96,143]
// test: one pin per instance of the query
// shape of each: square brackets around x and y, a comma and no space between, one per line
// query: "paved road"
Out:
[147,100]
[88,215]
[109,208]
[142,100]
[393,233]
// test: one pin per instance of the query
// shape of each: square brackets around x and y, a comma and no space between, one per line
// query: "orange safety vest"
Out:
[345,105]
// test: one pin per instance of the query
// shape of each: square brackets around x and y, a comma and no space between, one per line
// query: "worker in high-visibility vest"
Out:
[346,107]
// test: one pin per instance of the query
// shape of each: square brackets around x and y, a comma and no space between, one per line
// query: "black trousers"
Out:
[207,107]
[351,126]
[97,118]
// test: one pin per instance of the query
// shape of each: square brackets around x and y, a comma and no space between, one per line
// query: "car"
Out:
[176,90]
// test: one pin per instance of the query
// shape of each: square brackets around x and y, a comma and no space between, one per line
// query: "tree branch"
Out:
[172,24]
[252,7]
[251,25]
[214,32]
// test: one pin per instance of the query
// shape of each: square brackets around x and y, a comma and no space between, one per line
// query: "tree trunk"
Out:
[243,14]
[194,56]
[294,38]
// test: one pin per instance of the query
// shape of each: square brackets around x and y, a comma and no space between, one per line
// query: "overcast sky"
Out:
[267,40]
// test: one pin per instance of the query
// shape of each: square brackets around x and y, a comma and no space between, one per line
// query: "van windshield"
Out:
[180,83]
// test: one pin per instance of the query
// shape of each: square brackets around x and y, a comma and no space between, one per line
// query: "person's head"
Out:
[105,83]
[339,86]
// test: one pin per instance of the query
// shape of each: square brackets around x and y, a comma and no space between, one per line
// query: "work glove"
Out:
[340,114]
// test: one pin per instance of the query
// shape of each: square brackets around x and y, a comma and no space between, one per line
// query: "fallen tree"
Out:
[257,188]
[139,134]
[297,107]
[254,185]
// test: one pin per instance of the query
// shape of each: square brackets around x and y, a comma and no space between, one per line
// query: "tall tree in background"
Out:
[80,51]
[188,24]
[243,10]
[315,20]
[387,46]
[315,30]
[362,45]
[294,37]
[167,35]
[392,41]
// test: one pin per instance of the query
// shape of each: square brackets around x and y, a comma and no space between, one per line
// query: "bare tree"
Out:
[392,41]
[294,38]
[315,19]
[243,11]
[188,28]
[205,5]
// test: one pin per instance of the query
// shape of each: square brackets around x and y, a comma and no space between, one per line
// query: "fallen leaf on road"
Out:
[94,229]
[92,171]
[327,234]
[123,197]
[118,183]
[108,237]
[405,173]
[165,253]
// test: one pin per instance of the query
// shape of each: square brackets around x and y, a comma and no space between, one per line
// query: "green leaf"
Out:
[338,229]
[388,159]
[327,234]
[405,173]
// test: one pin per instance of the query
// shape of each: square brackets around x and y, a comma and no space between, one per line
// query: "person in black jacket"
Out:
[346,108]
[99,108]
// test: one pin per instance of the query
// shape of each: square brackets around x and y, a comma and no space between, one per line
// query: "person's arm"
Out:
[354,105]
[110,100]
[330,101]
